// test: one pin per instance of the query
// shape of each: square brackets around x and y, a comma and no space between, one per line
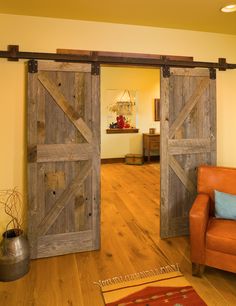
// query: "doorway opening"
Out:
[130,92]
[130,203]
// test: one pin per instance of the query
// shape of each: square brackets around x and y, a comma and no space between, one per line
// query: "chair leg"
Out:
[197,269]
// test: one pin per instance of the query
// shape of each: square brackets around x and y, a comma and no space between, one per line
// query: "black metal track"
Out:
[13,55]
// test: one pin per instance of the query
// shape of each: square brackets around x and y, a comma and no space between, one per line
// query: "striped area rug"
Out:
[163,286]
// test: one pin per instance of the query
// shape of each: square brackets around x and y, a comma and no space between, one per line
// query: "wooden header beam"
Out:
[114,58]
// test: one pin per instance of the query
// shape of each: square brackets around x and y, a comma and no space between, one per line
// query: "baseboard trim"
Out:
[122,159]
[112,160]
[155,158]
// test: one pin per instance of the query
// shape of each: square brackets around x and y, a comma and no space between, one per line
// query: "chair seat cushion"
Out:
[221,236]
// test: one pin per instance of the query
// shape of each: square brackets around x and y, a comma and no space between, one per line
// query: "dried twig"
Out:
[11,199]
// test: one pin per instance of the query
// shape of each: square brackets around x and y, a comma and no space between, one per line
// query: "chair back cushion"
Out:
[212,178]
[225,205]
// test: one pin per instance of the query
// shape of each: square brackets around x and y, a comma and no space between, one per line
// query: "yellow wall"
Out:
[146,83]
[45,35]
[12,129]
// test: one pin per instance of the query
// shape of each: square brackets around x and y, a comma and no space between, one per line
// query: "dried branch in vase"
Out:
[11,199]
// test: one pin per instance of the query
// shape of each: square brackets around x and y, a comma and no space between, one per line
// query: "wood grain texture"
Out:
[130,243]
[96,188]
[151,144]
[202,72]
[164,126]
[182,175]
[64,199]
[190,146]
[65,106]
[187,140]
[63,159]
[65,243]
[60,66]
[83,219]
[63,152]
[188,106]
[123,54]
[34,212]
[121,131]
[213,118]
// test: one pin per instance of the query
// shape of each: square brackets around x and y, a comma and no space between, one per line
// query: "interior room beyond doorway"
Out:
[135,88]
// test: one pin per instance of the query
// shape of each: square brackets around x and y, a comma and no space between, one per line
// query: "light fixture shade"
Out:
[229,8]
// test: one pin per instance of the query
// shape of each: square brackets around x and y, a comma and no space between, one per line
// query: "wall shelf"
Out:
[121,131]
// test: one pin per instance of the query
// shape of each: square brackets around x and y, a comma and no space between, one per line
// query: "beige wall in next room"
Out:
[146,83]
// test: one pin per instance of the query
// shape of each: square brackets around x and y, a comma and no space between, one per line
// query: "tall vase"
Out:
[14,255]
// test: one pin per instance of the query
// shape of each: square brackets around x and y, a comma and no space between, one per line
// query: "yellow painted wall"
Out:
[146,83]
[12,130]
[45,35]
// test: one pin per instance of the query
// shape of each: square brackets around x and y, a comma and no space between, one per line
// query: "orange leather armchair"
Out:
[212,240]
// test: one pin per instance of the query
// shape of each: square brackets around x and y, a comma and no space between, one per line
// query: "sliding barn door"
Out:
[63,158]
[188,139]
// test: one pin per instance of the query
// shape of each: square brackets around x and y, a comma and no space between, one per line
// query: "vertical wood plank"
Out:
[41,115]
[96,160]
[55,133]
[67,87]
[86,97]
[176,103]
[33,208]
[164,183]
[79,201]
[213,120]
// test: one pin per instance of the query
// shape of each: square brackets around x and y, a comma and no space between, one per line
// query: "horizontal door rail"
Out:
[13,54]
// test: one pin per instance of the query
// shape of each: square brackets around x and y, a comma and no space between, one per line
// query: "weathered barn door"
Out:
[63,158]
[188,139]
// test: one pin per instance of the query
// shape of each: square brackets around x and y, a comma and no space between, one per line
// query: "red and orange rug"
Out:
[150,288]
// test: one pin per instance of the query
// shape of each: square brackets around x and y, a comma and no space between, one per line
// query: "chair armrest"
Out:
[198,220]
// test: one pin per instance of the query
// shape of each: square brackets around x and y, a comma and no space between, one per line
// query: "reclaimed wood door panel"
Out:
[63,159]
[188,139]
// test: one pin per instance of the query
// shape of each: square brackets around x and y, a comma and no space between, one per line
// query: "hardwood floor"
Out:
[130,243]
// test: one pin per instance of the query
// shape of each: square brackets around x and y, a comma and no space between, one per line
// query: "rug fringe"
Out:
[138,275]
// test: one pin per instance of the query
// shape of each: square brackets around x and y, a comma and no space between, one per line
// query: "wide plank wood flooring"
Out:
[129,243]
